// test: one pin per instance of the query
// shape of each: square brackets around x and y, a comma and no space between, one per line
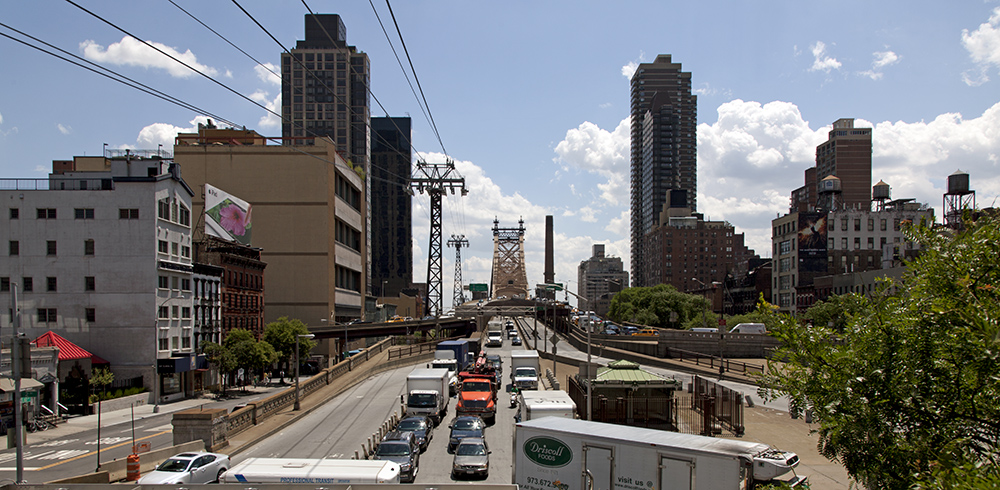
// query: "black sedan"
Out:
[515,341]
[465,426]
[420,426]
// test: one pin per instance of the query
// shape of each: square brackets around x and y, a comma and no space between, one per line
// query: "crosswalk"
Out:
[43,455]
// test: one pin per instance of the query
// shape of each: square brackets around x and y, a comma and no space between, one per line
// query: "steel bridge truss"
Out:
[436,179]
[509,277]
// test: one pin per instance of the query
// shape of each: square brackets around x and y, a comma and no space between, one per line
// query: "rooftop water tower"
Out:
[880,194]
[829,190]
[958,199]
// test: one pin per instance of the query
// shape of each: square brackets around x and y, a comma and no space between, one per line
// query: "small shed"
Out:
[624,393]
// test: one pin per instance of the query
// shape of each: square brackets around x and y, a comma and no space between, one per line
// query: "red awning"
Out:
[96,359]
[67,350]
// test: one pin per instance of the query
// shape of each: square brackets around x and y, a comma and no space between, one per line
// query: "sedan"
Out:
[400,451]
[472,457]
[465,426]
[188,468]
[515,341]
[420,426]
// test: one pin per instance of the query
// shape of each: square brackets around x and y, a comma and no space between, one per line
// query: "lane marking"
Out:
[93,452]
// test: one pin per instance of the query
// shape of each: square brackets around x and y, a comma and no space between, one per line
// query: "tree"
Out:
[907,394]
[282,334]
[219,356]
[654,306]
[836,309]
[101,377]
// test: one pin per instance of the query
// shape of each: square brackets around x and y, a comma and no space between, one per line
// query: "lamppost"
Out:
[297,337]
[704,323]
[590,327]
[156,351]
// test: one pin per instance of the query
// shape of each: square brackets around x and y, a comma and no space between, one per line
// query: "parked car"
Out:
[401,448]
[472,457]
[465,426]
[187,468]
[515,341]
[420,426]
[629,330]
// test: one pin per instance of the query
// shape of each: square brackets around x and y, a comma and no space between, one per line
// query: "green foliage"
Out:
[654,306]
[906,396]
[240,350]
[282,335]
[836,309]
[102,378]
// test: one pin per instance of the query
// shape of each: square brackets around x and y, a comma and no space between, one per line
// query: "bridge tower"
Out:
[436,179]
[458,241]
[509,277]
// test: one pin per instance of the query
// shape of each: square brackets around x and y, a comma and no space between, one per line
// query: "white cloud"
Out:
[268,73]
[983,46]
[751,159]
[164,133]
[606,105]
[1,118]
[629,69]
[268,120]
[821,61]
[706,90]
[131,52]
[600,152]
[64,129]
[882,60]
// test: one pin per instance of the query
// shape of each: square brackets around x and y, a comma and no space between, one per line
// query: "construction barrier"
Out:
[132,467]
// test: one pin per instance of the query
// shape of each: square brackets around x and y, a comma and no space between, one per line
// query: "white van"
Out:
[749,328]
[705,330]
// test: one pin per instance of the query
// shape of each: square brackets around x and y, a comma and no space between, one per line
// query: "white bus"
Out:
[317,471]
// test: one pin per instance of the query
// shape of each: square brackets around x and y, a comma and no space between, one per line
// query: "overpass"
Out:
[452,327]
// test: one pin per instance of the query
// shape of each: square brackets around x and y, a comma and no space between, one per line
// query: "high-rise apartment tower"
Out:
[664,147]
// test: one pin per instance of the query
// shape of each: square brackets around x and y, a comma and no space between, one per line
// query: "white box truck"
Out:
[524,368]
[315,471]
[427,393]
[553,452]
[533,404]
[445,359]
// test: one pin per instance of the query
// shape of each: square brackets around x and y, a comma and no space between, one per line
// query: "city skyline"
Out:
[536,114]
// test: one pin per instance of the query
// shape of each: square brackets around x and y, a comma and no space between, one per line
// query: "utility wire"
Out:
[410,60]
[123,79]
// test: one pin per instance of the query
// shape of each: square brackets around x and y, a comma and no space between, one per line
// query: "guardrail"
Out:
[714,361]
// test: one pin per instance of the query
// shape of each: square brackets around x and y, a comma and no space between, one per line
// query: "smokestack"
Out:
[550,273]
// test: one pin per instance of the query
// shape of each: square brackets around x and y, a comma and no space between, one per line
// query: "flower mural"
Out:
[227,217]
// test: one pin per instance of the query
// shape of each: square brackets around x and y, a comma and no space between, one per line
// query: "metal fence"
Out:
[714,361]
[720,407]
[654,412]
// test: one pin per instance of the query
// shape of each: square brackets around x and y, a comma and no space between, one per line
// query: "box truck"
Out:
[314,471]
[427,393]
[451,365]
[533,404]
[460,350]
[524,368]
[553,452]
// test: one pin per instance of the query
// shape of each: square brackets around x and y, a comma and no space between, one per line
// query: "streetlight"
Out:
[704,323]
[589,364]
[156,351]
[297,337]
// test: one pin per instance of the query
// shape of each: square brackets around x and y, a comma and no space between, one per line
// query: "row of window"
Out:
[171,209]
[173,282]
[78,213]
[51,284]
[173,248]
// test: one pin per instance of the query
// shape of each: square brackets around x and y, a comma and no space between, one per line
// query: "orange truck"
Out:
[478,393]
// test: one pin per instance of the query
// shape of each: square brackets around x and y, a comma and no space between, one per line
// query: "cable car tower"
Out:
[436,179]
[458,241]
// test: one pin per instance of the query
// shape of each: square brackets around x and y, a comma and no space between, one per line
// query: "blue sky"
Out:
[531,99]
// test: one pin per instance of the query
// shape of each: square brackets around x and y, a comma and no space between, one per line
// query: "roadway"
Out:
[341,426]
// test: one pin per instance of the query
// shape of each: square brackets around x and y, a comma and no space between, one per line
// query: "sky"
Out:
[531,99]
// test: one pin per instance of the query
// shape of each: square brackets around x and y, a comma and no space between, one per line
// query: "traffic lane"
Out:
[339,427]
[436,461]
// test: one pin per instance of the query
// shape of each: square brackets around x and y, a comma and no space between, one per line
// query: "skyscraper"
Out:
[391,229]
[664,147]
[847,155]
[324,90]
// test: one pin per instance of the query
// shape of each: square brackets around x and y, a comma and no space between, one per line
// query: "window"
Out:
[843,224]
[857,243]
[881,242]
[162,344]
[186,312]
[173,283]
[185,284]
[15,248]
[51,284]
[871,243]
[46,315]
[28,285]
[843,243]
[185,251]
[173,248]
[15,213]
[163,313]
[163,247]
[91,314]
[829,243]
[46,213]
[88,247]
[4,284]
[857,224]
[185,342]
[162,282]
[89,283]
[175,311]
[871,224]
[128,213]
[50,247]
[175,343]
[185,216]
[163,209]
[882,225]
[83,213]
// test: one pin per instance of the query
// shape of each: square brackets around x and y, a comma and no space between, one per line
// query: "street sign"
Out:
[554,339]
[478,288]
[722,322]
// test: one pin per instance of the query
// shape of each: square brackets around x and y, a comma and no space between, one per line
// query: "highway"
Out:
[340,427]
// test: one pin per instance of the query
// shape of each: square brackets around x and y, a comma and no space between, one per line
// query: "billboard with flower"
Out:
[226,216]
